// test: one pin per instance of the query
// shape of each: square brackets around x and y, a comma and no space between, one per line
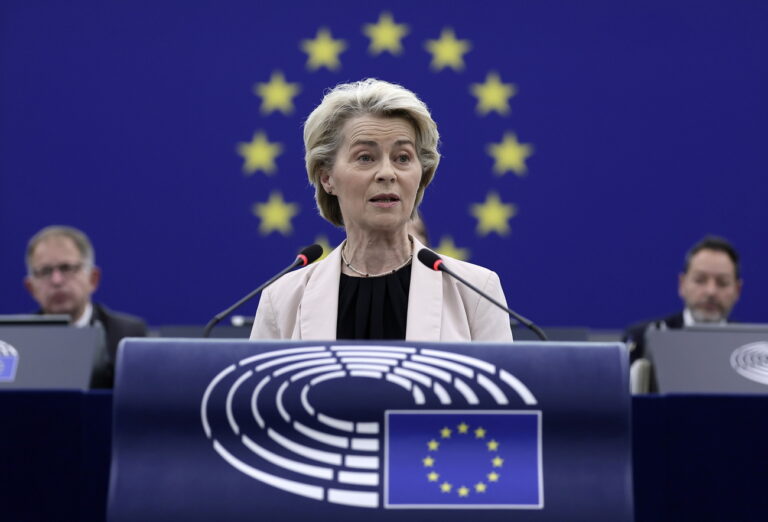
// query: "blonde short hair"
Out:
[322,132]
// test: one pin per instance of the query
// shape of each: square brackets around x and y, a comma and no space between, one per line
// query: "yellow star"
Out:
[259,154]
[497,462]
[493,95]
[493,476]
[323,242]
[463,491]
[275,214]
[323,50]
[385,35]
[493,215]
[445,487]
[432,477]
[428,462]
[445,433]
[463,427]
[433,445]
[480,487]
[493,445]
[447,51]
[448,248]
[510,155]
[480,433]
[277,95]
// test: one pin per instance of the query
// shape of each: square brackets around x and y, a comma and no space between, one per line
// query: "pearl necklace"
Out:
[363,274]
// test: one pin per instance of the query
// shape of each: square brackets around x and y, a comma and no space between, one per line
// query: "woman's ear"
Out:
[327,181]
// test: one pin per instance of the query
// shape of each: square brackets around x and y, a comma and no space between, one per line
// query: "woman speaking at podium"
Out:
[370,152]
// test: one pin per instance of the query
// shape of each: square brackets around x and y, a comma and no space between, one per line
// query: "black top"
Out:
[374,307]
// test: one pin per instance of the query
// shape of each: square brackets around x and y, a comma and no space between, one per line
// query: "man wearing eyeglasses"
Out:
[62,276]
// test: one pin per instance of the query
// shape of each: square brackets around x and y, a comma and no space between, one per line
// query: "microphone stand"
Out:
[221,315]
[435,262]
[519,318]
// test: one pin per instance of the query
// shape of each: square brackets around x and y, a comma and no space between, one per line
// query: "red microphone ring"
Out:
[304,259]
[437,264]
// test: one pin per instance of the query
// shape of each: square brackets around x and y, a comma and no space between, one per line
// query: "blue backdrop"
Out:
[620,134]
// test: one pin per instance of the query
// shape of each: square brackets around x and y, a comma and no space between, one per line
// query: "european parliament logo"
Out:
[379,426]
[751,361]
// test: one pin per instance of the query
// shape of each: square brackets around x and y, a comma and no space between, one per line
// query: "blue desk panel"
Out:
[695,457]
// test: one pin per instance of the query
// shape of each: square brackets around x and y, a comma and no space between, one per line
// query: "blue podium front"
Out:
[235,430]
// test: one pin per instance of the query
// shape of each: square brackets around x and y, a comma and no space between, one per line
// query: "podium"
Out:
[234,430]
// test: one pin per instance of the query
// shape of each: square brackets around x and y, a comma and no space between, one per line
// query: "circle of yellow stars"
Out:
[430,461]
[386,35]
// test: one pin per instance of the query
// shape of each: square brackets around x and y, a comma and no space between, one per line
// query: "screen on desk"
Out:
[33,319]
[729,358]
[50,357]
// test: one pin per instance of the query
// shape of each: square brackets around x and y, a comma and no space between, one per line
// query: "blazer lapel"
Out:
[320,303]
[425,301]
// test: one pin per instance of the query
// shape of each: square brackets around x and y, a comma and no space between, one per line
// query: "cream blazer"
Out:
[304,304]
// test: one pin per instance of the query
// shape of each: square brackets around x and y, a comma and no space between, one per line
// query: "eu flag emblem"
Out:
[470,458]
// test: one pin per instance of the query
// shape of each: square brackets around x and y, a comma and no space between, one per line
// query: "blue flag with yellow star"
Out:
[574,136]
[469,458]
[489,95]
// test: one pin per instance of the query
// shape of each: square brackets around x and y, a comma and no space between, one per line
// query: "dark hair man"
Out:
[710,286]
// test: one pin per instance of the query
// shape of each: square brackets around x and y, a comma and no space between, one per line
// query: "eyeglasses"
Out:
[65,269]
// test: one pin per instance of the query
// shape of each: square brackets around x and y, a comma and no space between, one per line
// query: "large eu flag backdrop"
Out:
[585,145]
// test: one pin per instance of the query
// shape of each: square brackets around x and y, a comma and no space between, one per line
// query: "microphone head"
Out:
[429,258]
[310,254]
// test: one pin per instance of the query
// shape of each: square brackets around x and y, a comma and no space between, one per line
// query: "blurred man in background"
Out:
[710,286]
[61,277]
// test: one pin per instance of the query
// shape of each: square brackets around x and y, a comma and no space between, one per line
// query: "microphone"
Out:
[435,262]
[307,256]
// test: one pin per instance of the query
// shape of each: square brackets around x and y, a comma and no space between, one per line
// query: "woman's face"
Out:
[376,173]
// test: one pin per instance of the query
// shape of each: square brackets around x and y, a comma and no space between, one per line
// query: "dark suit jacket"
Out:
[634,336]
[116,326]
